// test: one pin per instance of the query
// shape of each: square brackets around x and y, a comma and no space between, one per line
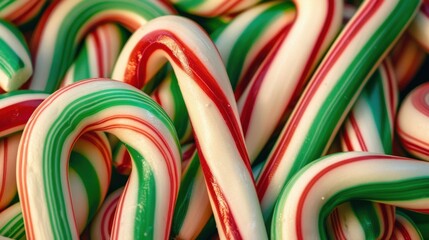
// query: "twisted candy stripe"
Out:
[419,29]
[97,55]
[313,30]
[415,109]
[315,190]
[315,120]
[405,228]
[202,76]
[65,24]
[15,61]
[212,8]
[145,208]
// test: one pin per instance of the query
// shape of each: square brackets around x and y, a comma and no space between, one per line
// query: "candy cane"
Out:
[249,37]
[89,176]
[99,105]
[315,190]
[15,62]
[8,151]
[22,13]
[407,58]
[97,55]
[300,50]
[413,122]
[369,128]
[210,102]
[330,93]
[405,228]
[213,8]
[419,29]
[65,24]
[101,225]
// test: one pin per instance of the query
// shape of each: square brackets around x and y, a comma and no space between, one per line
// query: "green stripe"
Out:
[6,96]
[81,67]
[5,3]
[185,194]
[376,99]
[82,13]
[71,117]
[146,198]
[17,33]
[188,5]
[10,62]
[249,37]
[409,189]
[86,171]
[366,213]
[181,117]
[341,95]
[14,228]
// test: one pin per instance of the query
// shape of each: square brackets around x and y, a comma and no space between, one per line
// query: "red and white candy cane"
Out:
[145,208]
[419,29]
[329,95]
[316,25]
[320,186]
[210,102]
[64,25]
[413,122]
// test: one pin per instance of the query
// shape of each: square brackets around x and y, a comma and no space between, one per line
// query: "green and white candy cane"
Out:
[313,192]
[56,40]
[369,127]
[98,54]
[145,208]
[212,110]
[15,62]
[89,176]
[333,88]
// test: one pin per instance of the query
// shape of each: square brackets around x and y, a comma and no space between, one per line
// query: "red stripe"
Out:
[5,163]
[108,218]
[424,8]
[316,178]
[418,99]
[17,114]
[347,144]
[412,143]
[387,218]
[403,231]
[20,15]
[222,208]
[354,27]
[223,8]
[358,133]
[99,53]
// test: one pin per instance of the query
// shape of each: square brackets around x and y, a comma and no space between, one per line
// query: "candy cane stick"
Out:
[369,128]
[213,8]
[8,151]
[11,223]
[405,228]
[333,88]
[99,105]
[22,13]
[419,29]
[413,122]
[97,55]
[65,24]
[210,102]
[15,62]
[315,190]
[300,51]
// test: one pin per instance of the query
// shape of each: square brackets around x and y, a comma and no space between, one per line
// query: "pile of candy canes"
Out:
[230,119]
